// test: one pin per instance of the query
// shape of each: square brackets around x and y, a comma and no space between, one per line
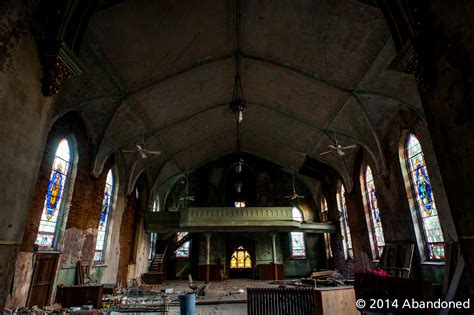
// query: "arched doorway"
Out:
[241,258]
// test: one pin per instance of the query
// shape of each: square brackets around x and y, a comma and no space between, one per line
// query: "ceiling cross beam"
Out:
[122,92]
[351,93]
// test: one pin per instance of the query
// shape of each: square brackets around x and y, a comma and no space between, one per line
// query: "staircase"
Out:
[157,263]
[157,271]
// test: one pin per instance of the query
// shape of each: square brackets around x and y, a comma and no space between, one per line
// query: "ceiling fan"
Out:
[186,198]
[294,195]
[338,148]
[140,148]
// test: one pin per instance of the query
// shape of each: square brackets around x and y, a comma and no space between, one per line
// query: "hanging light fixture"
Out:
[238,186]
[238,166]
[237,105]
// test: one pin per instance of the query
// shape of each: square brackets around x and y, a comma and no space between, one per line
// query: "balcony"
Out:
[222,219]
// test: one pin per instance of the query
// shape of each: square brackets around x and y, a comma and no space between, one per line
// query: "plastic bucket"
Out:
[187,304]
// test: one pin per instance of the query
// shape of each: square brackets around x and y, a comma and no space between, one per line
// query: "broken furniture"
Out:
[281,300]
[78,295]
[193,286]
[396,259]
[222,274]
[335,300]
[139,301]
[83,273]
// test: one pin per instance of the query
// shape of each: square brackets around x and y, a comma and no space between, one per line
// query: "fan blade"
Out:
[142,154]
[325,152]
[153,152]
[139,147]
[333,146]
[340,152]
[191,198]
[352,146]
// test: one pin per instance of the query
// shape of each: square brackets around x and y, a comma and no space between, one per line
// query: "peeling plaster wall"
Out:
[24,123]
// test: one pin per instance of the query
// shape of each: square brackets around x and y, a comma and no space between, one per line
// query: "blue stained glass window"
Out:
[54,201]
[344,222]
[298,248]
[104,218]
[375,226]
[424,199]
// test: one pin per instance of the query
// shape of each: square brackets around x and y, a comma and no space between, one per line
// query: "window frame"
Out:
[343,222]
[63,210]
[108,218]
[369,217]
[324,212]
[412,195]
[292,255]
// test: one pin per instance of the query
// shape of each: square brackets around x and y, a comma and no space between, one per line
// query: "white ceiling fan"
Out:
[140,148]
[338,148]
[294,195]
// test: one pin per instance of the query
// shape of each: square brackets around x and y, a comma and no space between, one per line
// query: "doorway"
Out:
[241,258]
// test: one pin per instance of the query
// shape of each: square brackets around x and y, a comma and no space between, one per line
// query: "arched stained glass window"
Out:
[324,218]
[240,259]
[184,250]
[156,205]
[53,208]
[424,200]
[104,218]
[344,221]
[375,224]
[298,248]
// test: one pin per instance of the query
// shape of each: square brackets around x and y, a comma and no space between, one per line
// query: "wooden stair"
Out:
[157,271]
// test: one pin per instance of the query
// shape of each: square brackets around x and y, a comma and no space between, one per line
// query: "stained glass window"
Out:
[239,204]
[375,226]
[184,250]
[298,248]
[104,218]
[344,221]
[324,218]
[424,199]
[152,245]
[240,259]
[54,204]
[156,205]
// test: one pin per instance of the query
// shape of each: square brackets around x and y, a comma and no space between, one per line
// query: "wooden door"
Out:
[42,281]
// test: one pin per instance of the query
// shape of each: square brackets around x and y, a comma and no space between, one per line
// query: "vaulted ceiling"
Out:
[165,70]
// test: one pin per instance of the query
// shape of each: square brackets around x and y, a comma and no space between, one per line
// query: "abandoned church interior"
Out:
[236,156]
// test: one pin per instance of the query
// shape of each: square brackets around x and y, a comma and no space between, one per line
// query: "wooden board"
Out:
[337,300]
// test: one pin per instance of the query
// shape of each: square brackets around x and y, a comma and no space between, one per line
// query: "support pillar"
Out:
[208,257]
[274,259]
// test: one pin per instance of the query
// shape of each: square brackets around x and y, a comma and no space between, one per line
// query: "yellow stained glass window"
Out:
[240,259]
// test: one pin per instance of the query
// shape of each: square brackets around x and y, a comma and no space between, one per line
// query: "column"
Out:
[208,257]
[274,258]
